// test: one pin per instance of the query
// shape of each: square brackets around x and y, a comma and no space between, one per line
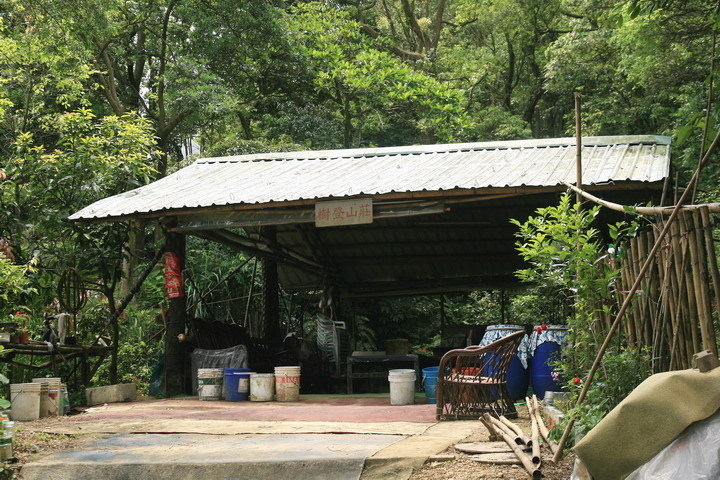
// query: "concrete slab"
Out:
[232,427]
[319,437]
[192,456]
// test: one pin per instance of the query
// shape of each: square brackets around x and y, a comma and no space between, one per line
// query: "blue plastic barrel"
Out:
[237,384]
[518,378]
[546,352]
[430,378]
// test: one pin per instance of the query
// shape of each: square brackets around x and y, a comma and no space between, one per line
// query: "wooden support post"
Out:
[174,350]
[270,290]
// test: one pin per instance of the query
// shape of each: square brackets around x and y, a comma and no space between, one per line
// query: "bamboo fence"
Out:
[675,310]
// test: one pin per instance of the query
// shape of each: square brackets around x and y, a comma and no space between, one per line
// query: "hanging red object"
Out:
[173,276]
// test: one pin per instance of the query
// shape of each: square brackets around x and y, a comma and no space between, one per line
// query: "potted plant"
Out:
[20,333]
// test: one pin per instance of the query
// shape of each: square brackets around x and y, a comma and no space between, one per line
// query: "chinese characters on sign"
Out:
[343,212]
[173,276]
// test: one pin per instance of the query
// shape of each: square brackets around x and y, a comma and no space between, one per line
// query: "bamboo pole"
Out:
[534,434]
[626,280]
[493,433]
[706,322]
[713,207]
[531,468]
[689,278]
[666,310]
[659,318]
[626,303]
[683,309]
[518,431]
[639,306]
[710,252]
[544,433]
[578,146]
[503,429]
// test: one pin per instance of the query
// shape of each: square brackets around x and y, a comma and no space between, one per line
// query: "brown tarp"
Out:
[652,416]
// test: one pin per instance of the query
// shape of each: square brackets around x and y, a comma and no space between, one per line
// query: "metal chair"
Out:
[472,380]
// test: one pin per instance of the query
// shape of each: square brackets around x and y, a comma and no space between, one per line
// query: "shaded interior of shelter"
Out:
[469,245]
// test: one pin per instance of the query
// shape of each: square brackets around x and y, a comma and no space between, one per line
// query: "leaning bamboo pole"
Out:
[636,284]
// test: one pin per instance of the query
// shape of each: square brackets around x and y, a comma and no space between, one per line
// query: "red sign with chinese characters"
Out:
[173,276]
[343,212]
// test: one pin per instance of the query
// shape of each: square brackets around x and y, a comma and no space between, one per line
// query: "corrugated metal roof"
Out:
[291,176]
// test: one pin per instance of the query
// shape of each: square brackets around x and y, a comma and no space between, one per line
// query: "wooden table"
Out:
[386,361]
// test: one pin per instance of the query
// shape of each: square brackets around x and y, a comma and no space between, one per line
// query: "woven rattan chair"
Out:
[471,381]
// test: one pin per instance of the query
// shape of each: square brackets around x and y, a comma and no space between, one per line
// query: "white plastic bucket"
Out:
[51,396]
[210,383]
[287,384]
[402,386]
[262,387]
[25,401]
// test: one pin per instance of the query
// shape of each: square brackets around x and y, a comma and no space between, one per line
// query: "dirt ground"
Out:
[462,467]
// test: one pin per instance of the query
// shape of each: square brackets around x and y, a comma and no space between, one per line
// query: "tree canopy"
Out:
[98,97]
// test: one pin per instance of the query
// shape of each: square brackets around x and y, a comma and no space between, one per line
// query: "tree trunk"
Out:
[174,350]
[133,251]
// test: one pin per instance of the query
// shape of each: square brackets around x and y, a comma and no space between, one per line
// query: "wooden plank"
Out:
[484,447]
[496,458]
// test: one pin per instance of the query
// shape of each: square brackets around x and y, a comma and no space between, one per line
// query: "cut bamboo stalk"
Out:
[518,431]
[531,468]
[535,436]
[544,432]
[503,429]
[485,419]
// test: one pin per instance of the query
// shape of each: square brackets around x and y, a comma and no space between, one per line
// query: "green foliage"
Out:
[620,372]
[136,359]
[567,259]
[563,248]
[219,279]
[15,284]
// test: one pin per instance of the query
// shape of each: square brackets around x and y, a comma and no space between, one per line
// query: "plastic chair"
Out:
[472,380]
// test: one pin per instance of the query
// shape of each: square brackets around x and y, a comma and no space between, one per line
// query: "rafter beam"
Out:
[263,249]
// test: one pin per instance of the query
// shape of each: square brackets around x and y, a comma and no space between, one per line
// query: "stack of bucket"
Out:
[287,384]
[51,396]
[43,397]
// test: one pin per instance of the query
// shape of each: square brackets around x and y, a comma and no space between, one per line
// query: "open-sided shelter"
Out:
[388,221]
